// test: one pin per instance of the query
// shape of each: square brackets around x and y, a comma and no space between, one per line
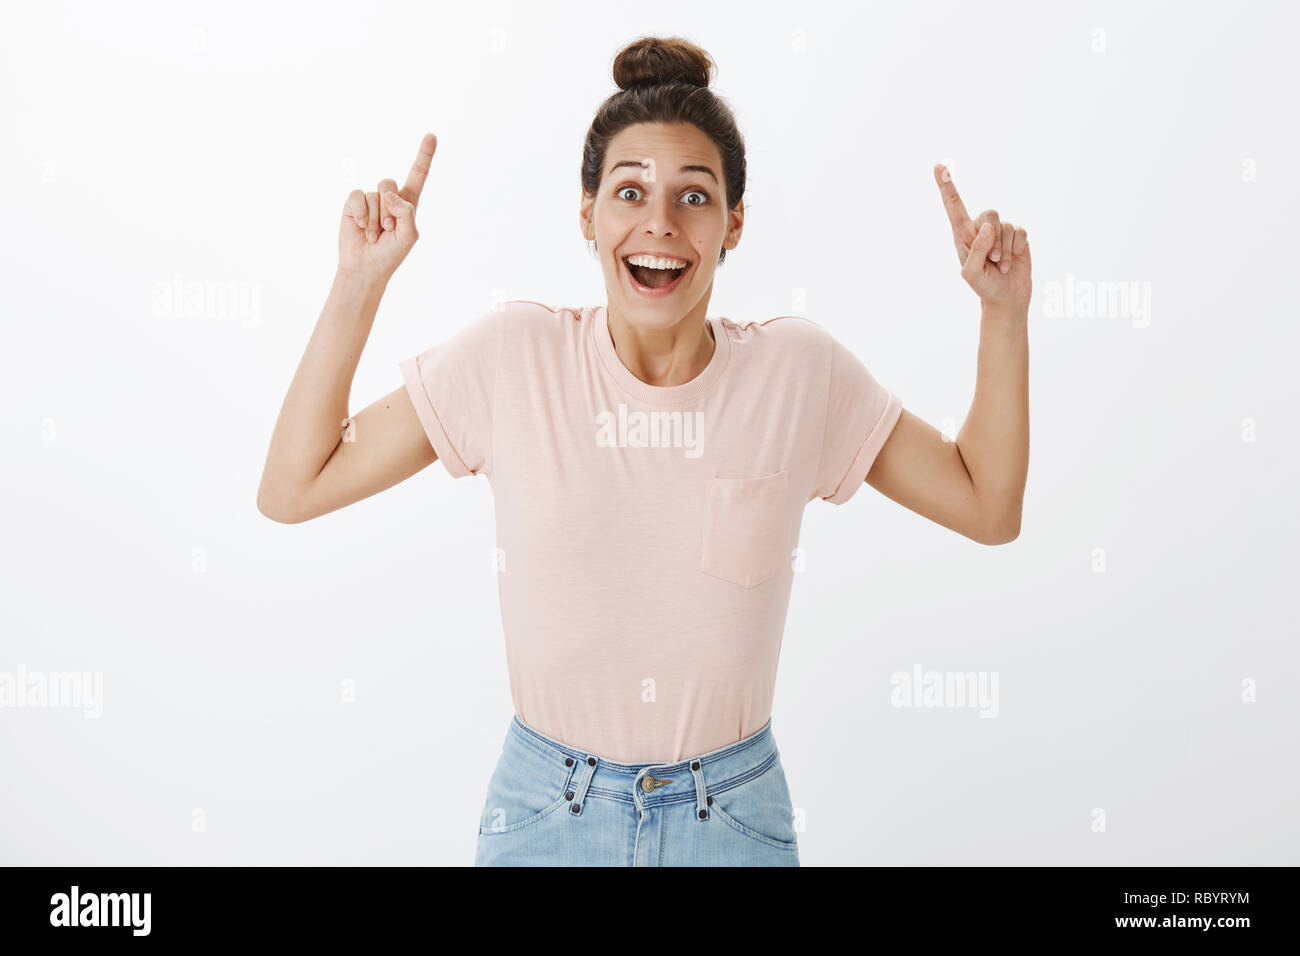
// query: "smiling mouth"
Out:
[653,278]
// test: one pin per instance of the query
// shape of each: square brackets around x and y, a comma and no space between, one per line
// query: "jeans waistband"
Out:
[652,784]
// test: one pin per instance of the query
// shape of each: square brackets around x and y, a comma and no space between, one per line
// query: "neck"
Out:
[665,356]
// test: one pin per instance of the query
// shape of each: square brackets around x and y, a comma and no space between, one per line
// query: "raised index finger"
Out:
[957,214]
[419,169]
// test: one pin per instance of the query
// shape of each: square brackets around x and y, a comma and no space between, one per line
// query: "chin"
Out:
[654,314]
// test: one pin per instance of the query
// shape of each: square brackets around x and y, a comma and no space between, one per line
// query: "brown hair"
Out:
[666,80]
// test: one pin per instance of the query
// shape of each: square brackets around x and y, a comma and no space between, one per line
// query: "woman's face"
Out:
[662,193]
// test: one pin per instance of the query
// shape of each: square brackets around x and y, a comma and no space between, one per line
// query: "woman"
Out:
[649,466]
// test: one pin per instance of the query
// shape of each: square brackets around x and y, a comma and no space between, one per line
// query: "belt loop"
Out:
[702,799]
[585,773]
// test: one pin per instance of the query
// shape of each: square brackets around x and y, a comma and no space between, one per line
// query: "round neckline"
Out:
[690,391]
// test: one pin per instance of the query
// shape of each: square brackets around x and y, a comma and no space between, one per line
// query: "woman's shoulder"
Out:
[522,317]
[780,333]
[532,306]
[525,309]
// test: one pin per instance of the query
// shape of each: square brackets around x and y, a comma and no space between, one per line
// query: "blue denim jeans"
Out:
[549,804]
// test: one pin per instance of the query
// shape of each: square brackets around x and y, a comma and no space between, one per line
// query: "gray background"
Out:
[143,146]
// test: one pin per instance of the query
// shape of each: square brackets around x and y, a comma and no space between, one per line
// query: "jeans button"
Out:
[647,784]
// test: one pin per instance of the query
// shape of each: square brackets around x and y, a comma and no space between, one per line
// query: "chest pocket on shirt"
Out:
[746,528]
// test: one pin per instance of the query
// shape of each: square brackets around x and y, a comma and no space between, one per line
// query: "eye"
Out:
[622,191]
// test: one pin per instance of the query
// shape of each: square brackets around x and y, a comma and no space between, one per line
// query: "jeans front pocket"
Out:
[746,528]
[760,808]
[526,786]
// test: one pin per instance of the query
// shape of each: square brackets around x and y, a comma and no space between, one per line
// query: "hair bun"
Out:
[651,61]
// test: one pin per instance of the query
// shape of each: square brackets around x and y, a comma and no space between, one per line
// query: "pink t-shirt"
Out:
[647,535]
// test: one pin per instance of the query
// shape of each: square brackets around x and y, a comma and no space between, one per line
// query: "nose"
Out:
[660,218]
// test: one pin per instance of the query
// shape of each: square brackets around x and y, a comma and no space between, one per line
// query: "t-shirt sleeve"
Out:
[860,414]
[452,386]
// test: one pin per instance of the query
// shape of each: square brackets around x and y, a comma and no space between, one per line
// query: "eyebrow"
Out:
[684,169]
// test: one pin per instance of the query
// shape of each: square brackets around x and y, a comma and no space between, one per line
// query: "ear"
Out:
[735,225]
[585,220]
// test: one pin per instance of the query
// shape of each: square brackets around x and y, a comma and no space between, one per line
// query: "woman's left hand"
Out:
[994,255]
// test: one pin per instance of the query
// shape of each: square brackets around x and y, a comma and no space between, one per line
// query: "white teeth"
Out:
[653,262]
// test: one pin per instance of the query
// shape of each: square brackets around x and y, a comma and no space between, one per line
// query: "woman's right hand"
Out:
[378,228]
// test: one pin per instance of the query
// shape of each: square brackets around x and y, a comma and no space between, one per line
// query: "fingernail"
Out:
[996,255]
[389,223]
[1005,267]
[945,176]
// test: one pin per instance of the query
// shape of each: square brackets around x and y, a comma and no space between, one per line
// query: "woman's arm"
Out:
[975,485]
[319,459]
[318,462]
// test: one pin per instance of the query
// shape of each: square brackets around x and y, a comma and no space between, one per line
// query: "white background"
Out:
[142,147]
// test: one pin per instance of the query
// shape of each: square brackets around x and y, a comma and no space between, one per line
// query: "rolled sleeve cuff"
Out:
[875,440]
[447,453]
